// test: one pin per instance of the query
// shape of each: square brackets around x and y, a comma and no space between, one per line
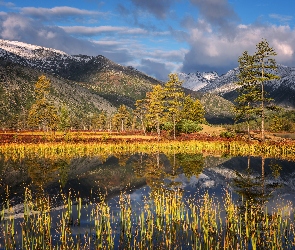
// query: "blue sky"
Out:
[155,36]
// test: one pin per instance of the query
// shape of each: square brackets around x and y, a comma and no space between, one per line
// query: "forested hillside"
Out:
[82,87]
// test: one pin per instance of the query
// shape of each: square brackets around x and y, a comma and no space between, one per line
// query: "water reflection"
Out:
[252,181]
[256,180]
[256,190]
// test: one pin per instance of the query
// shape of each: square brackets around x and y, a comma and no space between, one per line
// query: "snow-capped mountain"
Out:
[28,50]
[56,62]
[224,83]
[281,90]
[49,60]
[86,85]
[198,80]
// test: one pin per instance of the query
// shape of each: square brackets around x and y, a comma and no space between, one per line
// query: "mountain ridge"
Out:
[86,85]
[281,90]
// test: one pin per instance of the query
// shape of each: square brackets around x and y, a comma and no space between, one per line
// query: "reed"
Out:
[15,151]
[166,220]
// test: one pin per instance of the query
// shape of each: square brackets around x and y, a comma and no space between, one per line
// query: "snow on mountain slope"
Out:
[226,82]
[56,62]
[198,80]
[45,59]
[281,90]
[28,50]
[223,83]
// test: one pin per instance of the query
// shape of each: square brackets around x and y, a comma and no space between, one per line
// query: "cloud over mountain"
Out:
[186,35]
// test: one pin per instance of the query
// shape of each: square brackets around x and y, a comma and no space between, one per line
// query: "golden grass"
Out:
[81,134]
[69,150]
[212,130]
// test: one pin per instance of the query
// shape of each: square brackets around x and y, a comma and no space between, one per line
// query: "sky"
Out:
[156,37]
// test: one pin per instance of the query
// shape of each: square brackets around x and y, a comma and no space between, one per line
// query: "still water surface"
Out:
[267,181]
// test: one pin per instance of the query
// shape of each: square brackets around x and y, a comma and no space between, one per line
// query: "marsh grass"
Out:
[166,220]
[18,151]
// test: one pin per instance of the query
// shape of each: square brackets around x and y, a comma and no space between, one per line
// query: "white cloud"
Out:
[219,13]
[7,4]
[84,30]
[159,8]
[216,51]
[13,26]
[108,42]
[215,39]
[17,27]
[47,34]
[154,68]
[281,18]
[56,11]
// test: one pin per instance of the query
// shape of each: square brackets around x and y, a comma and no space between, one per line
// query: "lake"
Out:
[147,201]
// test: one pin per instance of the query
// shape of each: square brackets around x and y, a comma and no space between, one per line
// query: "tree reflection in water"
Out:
[254,189]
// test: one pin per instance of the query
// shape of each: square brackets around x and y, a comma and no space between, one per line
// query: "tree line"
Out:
[167,107]
[164,108]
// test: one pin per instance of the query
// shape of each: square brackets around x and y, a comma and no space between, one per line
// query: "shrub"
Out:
[278,124]
[188,126]
[227,134]
[168,126]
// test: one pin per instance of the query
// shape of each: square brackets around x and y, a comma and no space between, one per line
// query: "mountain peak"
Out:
[198,80]
[27,50]
[281,90]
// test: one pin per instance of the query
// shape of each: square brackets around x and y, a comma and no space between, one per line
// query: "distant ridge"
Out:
[86,85]
[282,90]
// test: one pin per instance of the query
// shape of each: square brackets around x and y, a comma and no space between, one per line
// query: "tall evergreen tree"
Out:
[265,65]
[140,112]
[255,71]
[43,113]
[102,120]
[121,117]
[193,110]
[173,100]
[155,107]
[249,91]
[64,118]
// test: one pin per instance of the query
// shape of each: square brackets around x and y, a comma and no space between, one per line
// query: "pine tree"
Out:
[173,100]
[43,113]
[102,120]
[140,112]
[64,118]
[155,107]
[121,118]
[265,66]
[255,71]
[249,92]
[193,110]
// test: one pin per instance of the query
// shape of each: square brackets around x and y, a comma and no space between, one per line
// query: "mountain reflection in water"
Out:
[254,178]
[250,180]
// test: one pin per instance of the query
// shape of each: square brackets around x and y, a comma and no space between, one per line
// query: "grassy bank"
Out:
[17,151]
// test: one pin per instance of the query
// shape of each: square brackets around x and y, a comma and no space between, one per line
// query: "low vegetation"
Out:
[163,221]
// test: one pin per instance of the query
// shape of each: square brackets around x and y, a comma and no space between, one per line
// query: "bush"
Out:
[227,134]
[168,126]
[278,124]
[188,126]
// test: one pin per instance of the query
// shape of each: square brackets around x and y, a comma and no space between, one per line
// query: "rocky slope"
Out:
[84,84]
[198,80]
[282,90]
